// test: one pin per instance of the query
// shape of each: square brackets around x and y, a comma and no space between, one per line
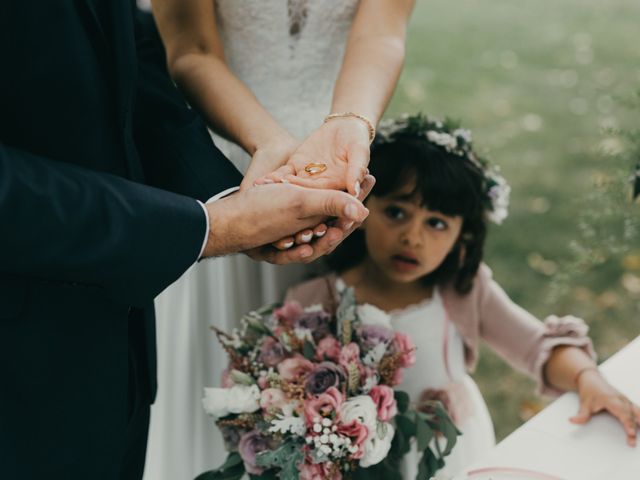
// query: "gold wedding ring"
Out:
[315,168]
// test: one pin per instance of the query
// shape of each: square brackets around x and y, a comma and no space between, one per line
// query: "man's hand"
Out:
[306,252]
[260,216]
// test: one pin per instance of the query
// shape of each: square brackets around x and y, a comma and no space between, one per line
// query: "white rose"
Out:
[371,315]
[362,409]
[220,402]
[376,448]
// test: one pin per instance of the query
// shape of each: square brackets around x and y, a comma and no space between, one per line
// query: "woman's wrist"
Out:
[354,117]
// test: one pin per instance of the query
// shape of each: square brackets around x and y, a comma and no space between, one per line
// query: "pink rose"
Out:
[385,401]
[225,380]
[294,368]
[319,471]
[350,354]
[263,382]
[358,434]
[328,349]
[272,398]
[404,345]
[322,405]
[288,313]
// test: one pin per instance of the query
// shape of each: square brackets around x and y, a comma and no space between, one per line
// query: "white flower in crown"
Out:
[220,402]
[462,133]
[449,142]
[499,196]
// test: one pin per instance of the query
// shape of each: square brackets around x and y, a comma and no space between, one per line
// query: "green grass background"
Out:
[537,82]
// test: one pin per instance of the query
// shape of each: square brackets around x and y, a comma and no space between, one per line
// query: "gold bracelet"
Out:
[370,127]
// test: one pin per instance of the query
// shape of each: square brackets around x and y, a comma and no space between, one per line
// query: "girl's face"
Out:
[405,240]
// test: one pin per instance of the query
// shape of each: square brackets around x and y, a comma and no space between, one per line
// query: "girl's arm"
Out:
[195,59]
[371,67]
[569,368]
[557,352]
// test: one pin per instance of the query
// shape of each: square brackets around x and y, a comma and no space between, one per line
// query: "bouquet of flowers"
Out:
[308,395]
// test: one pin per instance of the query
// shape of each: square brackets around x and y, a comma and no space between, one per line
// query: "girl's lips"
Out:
[404,263]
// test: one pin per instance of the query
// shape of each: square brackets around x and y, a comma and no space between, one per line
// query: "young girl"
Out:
[418,257]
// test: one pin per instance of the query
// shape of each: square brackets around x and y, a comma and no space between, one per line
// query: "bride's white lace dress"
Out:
[289,53]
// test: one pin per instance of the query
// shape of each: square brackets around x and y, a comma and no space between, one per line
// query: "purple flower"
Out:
[272,352]
[231,437]
[324,376]
[251,444]
[317,321]
[371,335]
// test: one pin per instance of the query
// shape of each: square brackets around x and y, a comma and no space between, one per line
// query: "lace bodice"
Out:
[288,52]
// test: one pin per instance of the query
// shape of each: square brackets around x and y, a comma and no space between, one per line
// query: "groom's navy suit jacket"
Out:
[100,163]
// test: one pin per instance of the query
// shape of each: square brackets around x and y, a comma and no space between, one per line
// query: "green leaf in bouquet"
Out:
[255,322]
[444,425]
[402,400]
[400,444]
[241,378]
[406,423]
[424,434]
[308,350]
[231,469]
[346,315]
[267,309]
[286,457]
[429,464]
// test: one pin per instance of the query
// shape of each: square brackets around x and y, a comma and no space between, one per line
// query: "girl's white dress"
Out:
[440,366]
[289,53]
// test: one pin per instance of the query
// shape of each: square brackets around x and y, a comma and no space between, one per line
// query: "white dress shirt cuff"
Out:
[220,195]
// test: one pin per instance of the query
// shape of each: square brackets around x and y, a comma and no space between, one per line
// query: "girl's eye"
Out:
[437,223]
[395,213]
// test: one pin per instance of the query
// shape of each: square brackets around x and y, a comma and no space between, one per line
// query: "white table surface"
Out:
[551,445]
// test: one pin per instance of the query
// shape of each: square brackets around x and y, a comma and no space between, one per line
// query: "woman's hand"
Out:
[342,144]
[268,158]
[596,395]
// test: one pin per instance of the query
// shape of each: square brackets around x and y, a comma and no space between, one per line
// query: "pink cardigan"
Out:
[486,313]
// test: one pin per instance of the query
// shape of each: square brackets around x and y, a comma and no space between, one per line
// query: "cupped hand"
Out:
[597,395]
[252,218]
[269,158]
[342,144]
[308,245]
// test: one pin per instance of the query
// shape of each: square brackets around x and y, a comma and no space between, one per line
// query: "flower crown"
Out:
[448,135]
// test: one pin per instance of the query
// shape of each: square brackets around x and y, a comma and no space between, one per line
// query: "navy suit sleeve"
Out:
[66,223]
[175,147]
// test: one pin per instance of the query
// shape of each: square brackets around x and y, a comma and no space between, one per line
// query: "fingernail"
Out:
[357,189]
[306,253]
[288,245]
[351,211]
[284,180]
[306,238]
[321,234]
[268,180]
[348,226]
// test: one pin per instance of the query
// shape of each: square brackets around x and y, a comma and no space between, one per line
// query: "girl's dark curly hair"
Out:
[444,182]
